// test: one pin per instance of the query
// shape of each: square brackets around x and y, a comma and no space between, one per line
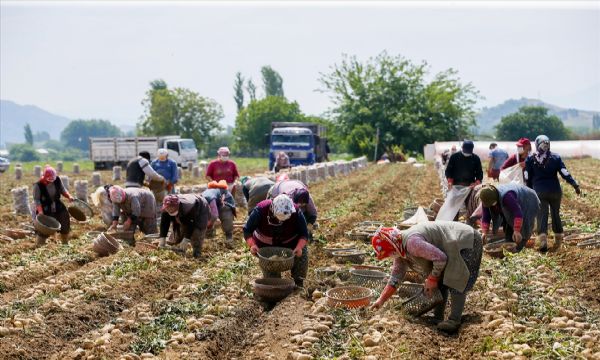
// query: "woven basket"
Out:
[324,272]
[105,244]
[84,207]
[359,235]
[351,256]
[349,297]
[330,251]
[436,205]
[77,213]
[372,279]
[589,244]
[284,262]
[272,289]
[414,277]
[496,249]
[46,225]
[368,267]
[578,237]
[127,236]
[417,303]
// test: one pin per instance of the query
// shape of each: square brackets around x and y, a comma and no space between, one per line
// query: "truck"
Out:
[107,152]
[305,143]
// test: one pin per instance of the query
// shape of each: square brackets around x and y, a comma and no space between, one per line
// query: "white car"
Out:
[4,164]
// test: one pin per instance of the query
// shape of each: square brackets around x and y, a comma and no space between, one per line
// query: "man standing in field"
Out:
[496,158]
[167,168]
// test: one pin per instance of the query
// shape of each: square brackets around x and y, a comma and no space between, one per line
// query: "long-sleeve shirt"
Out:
[138,203]
[510,202]
[543,178]
[167,168]
[267,230]
[135,178]
[193,214]
[464,170]
[512,160]
[418,247]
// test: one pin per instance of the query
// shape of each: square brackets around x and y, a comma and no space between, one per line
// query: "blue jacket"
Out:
[543,179]
[167,168]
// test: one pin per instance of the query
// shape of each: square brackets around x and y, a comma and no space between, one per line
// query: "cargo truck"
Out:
[107,152]
[304,143]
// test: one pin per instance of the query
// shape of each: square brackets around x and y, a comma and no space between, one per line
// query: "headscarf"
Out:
[301,196]
[117,194]
[49,175]
[282,207]
[542,146]
[170,204]
[386,242]
[223,151]
[489,195]
[162,154]
[218,185]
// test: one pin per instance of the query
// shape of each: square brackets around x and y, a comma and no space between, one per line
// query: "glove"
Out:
[113,226]
[39,210]
[252,244]
[387,293]
[169,187]
[299,247]
[517,237]
[450,182]
[577,189]
[431,283]
[162,243]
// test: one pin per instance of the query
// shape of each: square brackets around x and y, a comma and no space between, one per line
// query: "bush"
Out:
[23,152]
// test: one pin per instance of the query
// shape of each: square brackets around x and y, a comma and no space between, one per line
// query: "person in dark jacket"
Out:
[189,215]
[222,206]
[298,192]
[516,206]
[540,174]
[46,197]
[279,222]
[137,170]
[255,190]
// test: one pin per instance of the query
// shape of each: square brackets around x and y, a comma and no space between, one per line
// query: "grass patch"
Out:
[340,339]
[129,266]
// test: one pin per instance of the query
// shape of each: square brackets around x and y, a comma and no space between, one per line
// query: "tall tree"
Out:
[251,89]
[529,122]
[272,82]
[238,91]
[28,134]
[179,111]
[78,132]
[254,122]
[393,94]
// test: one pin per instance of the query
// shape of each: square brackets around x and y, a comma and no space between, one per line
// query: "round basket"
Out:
[351,256]
[84,207]
[46,225]
[17,233]
[417,303]
[93,234]
[497,249]
[124,235]
[359,235]
[151,237]
[105,244]
[77,213]
[324,272]
[274,259]
[368,267]
[436,205]
[578,237]
[414,277]
[589,244]
[330,251]
[349,297]
[372,279]
[272,289]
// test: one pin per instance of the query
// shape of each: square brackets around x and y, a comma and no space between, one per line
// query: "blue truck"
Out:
[304,143]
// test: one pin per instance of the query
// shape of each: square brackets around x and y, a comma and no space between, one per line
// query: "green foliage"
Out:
[179,111]
[272,82]
[238,91]
[78,132]
[23,152]
[251,89]
[41,136]
[393,93]
[529,122]
[28,135]
[254,122]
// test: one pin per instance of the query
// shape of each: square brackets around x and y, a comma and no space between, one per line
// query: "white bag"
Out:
[455,199]
[513,174]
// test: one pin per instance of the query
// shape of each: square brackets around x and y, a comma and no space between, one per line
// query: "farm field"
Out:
[62,302]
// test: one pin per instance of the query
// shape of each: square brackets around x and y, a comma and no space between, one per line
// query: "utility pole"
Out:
[376,143]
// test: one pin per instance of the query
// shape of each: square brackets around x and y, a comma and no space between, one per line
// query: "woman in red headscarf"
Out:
[46,196]
[447,253]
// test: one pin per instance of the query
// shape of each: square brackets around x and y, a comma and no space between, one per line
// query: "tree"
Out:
[272,82]
[28,135]
[238,90]
[529,122]
[179,111]
[41,136]
[254,122]
[393,94]
[23,152]
[251,89]
[78,132]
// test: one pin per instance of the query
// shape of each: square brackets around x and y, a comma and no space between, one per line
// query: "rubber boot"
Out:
[457,305]
[558,238]
[229,241]
[64,238]
[543,239]
[40,241]
[439,310]
[197,252]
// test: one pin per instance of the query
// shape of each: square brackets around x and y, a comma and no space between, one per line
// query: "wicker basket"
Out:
[349,256]
[436,205]
[414,277]
[330,251]
[496,249]
[349,297]
[324,272]
[578,237]
[368,267]
[359,235]
[105,244]
[84,207]
[284,260]
[127,236]
[417,303]
[589,244]
[46,225]
[372,279]
[272,289]
[77,213]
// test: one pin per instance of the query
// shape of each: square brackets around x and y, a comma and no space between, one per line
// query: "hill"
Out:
[13,118]
[579,120]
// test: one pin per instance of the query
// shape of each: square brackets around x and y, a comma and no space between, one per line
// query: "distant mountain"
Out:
[579,120]
[13,118]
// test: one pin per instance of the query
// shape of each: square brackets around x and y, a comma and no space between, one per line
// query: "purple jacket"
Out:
[266,230]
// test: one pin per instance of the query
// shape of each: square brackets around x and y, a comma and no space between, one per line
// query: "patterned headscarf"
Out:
[387,241]
[542,147]
[117,194]
[170,203]
[49,174]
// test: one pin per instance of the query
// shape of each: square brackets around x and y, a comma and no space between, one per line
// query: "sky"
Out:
[96,59]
